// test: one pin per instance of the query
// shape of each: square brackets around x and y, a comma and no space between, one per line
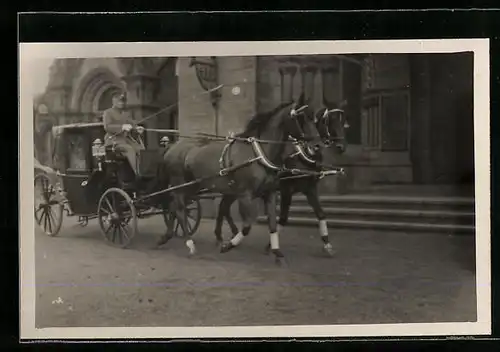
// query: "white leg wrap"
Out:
[190,245]
[323,228]
[236,240]
[275,241]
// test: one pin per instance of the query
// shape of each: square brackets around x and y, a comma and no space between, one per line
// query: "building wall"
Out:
[235,107]
[442,118]
[238,102]
[452,116]
[424,139]
[195,110]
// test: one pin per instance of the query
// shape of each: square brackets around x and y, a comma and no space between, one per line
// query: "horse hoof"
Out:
[226,247]
[192,254]
[267,250]
[280,261]
[329,251]
[162,241]
[218,243]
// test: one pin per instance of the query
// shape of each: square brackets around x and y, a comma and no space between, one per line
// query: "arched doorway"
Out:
[95,92]
[105,100]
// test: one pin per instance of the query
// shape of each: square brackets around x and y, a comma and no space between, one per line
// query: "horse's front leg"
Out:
[270,208]
[286,193]
[248,216]
[224,211]
[313,199]
[181,214]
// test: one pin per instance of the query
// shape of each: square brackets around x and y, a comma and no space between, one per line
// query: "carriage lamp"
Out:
[98,151]
[98,148]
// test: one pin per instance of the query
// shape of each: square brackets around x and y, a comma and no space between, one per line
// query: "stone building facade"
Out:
[410,115]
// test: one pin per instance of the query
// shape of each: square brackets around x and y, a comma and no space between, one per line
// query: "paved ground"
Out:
[375,278]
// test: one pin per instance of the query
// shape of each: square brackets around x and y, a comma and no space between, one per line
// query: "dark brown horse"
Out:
[244,168]
[331,124]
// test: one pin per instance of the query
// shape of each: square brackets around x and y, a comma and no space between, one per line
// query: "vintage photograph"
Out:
[311,189]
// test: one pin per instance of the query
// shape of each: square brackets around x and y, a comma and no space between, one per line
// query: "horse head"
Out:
[331,123]
[303,125]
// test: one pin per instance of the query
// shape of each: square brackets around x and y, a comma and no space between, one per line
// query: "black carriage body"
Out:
[73,159]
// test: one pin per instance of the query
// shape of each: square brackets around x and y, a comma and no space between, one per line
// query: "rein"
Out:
[172,106]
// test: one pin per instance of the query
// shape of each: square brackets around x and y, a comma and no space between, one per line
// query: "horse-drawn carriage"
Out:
[271,150]
[88,183]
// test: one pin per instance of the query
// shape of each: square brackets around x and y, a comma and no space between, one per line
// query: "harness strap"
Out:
[226,166]
[303,155]
[224,163]
[262,158]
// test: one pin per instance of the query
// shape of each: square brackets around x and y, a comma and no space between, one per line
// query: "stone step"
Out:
[380,225]
[400,215]
[463,204]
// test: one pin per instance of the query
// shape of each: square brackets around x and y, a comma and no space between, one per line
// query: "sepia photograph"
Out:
[254,190]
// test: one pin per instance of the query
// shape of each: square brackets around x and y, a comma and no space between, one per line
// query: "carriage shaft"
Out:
[167,190]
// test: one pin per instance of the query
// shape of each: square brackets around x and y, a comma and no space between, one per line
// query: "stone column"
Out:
[141,84]
[59,89]
[287,87]
[308,74]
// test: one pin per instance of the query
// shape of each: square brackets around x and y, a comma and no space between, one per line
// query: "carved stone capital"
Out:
[137,66]
[288,70]
[62,72]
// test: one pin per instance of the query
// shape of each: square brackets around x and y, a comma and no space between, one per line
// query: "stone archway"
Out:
[104,100]
[95,90]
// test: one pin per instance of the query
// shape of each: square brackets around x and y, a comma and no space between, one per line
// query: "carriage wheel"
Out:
[193,215]
[48,210]
[117,217]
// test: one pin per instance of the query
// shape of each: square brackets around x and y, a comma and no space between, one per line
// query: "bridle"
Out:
[294,114]
[325,121]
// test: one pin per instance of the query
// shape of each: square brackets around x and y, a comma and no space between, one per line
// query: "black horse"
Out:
[331,124]
[243,168]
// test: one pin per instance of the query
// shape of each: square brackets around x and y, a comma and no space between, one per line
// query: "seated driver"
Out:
[117,124]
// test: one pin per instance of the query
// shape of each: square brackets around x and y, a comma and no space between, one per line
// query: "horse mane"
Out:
[257,123]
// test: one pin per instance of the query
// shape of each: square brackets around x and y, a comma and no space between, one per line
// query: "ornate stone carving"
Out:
[368,72]
[208,76]
[143,66]
[141,79]
[62,72]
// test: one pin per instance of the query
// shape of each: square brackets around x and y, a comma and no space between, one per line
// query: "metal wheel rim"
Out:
[48,213]
[117,217]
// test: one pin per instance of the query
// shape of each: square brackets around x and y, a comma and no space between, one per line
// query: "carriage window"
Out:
[77,152]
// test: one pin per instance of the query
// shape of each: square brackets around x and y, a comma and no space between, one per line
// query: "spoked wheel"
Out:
[117,217]
[48,210]
[193,216]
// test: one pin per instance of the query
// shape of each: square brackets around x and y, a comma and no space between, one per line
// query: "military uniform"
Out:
[113,120]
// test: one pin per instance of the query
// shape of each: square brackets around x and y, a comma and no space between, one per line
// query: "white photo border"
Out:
[34,51]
